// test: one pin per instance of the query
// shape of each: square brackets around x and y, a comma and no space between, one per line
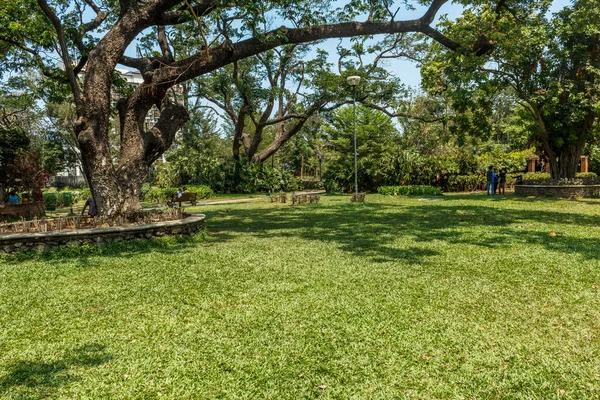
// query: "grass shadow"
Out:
[36,375]
[372,229]
[83,253]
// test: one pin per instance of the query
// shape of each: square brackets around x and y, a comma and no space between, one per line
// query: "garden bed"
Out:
[100,233]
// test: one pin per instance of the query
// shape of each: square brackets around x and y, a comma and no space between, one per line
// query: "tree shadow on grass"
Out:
[372,229]
[83,254]
[40,377]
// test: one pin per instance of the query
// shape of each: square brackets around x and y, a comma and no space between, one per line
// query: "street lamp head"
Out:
[353,80]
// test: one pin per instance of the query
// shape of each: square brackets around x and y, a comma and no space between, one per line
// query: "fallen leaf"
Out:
[323,387]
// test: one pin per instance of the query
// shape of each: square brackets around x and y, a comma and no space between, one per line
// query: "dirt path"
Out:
[244,200]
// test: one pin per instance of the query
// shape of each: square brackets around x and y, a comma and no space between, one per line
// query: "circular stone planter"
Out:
[50,240]
[560,191]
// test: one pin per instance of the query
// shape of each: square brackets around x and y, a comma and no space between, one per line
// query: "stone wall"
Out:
[560,191]
[50,240]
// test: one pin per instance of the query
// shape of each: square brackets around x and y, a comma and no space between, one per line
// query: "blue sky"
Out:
[407,70]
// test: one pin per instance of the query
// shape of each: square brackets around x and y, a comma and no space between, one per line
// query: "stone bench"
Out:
[278,198]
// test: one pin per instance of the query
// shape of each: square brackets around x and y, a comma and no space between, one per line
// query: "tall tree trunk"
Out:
[564,160]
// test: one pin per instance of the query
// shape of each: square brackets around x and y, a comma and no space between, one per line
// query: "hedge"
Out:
[165,194]
[412,190]
[542,178]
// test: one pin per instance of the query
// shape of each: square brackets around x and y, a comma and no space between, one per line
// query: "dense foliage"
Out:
[413,190]
[585,178]
[162,195]
[551,62]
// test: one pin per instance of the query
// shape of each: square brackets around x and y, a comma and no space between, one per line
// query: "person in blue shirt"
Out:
[489,180]
[494,181]
[13,198]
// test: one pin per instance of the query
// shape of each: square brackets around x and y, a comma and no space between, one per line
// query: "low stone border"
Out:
[560,191]
[50,240]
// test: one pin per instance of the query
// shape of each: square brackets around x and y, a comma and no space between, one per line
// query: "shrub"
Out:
[160,194]
[165,194]
[413,190]
[312,185]
[64,199]
[153,194]
[466,183]
[84,194]
[50,200]
[581,178]
[202,192]
[513,161]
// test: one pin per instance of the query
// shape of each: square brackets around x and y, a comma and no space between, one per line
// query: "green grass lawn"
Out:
[467,297]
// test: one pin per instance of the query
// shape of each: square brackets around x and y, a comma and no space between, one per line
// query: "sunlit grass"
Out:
[467,297]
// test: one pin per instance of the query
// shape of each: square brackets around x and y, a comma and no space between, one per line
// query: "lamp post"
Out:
[353,81]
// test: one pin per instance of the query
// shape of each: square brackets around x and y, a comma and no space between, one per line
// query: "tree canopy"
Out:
[90,38]
[551,63]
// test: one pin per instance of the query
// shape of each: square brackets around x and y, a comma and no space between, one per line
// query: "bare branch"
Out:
[96,22]
[164,45]
[228,53]
[187,12]
[401,115]
[64,50]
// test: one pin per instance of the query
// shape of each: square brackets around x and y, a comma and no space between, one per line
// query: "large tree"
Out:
[33,32]
[551,62]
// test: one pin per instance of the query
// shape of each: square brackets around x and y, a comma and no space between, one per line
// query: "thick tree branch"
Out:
[401,115]
[64,50]
[227,53]
[186,14]
[440,38]
[165,48]
[160,137]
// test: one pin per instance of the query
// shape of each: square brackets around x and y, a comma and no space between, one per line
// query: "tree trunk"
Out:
[565,165]
[564,160]
[116,188]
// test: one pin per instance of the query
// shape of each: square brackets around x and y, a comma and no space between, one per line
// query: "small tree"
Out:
[376,136]
[25,172]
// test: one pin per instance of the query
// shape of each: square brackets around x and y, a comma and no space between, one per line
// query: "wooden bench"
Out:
[186,196]
[22,210]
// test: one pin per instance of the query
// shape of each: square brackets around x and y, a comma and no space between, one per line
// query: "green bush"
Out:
[202,192]
[512,162]
[542,178]
[64,199]
[312,185]
[160,194]
[227,176]
[165,194]
[466,183]
[412,190]
[84,194]
[50,201]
